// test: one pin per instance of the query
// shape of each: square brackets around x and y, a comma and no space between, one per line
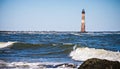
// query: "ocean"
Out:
[56,50]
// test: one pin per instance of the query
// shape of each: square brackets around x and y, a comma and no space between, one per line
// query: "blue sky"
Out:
[59,15]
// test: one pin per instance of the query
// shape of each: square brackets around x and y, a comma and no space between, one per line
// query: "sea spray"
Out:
[83,54]
[74,47]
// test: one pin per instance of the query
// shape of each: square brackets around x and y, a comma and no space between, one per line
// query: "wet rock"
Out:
[95,63]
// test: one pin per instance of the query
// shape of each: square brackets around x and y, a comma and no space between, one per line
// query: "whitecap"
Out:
[6,44]
[82,54]
[39,65]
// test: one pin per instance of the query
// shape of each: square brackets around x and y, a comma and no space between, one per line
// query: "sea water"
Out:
[42,50]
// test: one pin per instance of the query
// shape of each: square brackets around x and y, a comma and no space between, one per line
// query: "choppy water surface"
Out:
[58,48]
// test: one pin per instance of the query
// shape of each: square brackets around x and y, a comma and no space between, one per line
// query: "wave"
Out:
[6,44]
[82,54]
[37,65]
[62,47]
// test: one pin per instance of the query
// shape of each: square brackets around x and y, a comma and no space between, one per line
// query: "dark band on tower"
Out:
[83,21]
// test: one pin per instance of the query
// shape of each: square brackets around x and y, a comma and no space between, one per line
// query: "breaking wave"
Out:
[17,45]
[72,50]
[82,54]
[44,49]
[36,65]
[6,44]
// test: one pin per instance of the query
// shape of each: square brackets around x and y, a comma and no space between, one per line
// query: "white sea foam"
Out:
[76,34]
[83,54]
[6,44]
[67,43]
[37,65]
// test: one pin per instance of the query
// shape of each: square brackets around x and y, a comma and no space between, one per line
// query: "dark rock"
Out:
[95,63]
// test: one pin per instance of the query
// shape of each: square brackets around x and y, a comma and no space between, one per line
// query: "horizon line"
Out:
[52,31]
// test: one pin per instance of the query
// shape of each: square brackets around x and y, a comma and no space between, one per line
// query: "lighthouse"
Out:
[83,22]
